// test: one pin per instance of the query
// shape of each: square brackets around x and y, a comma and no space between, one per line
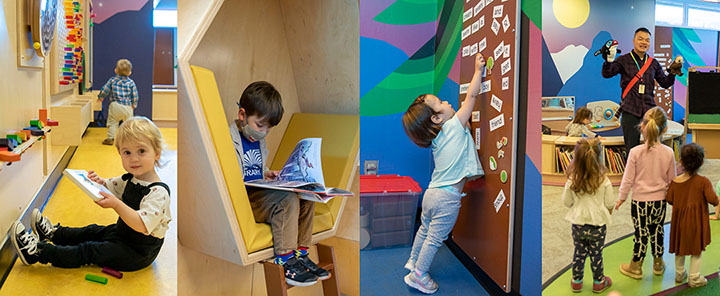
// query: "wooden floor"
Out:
[71,207]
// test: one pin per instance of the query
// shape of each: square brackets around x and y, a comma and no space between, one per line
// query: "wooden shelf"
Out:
[20,149]
[73,114]
[550,176]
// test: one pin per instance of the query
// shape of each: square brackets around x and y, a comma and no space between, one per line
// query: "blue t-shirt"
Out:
[454,155]
[252,160]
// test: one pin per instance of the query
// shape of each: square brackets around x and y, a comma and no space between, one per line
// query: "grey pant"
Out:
[117,112]
[440,210]
[290,218]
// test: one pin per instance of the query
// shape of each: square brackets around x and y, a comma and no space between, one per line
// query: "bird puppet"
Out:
[609,50]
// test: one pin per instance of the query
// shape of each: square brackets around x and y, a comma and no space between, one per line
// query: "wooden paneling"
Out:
[325,50]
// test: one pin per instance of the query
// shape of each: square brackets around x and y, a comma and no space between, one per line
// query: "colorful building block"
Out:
[43,116]
[52,123]
[37,123]
[37,133]
[15,137]
[24,137]
[9,156]
[5,142]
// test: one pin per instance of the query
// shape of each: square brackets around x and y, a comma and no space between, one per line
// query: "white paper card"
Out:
[466,51]
[506,52]
[505,67]
[464,88]
[499,50]
[495,26]
[467,15]
[481,21]
[475,27]
[473,49]
[505,83]
[499,201]
[479,7]
[465,33]
[487,2]
[482,45]
[475,116]
[496,103]
[497,11]
[497,122]
[477,138]
[485,87]
[506,23]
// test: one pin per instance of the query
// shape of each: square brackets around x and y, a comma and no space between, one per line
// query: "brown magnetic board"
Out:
[484,227]
[664,55]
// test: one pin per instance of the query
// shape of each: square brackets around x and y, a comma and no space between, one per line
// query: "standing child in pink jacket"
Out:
[650,169]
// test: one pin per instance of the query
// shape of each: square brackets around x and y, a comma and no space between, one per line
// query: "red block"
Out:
[3,148]
[27,132]
[52,123]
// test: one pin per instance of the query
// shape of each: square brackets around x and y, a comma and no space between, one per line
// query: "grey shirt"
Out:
[236,135]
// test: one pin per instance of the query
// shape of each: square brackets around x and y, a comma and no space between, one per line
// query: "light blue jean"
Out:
[440,208]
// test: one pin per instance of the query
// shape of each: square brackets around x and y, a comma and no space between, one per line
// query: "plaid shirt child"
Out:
[121,89]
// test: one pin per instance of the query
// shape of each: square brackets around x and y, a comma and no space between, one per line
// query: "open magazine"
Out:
[80,178]
[302,173]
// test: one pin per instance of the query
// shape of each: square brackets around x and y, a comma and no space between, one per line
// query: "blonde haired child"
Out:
[430,122]
[650,169]
[689,195]
[589,195]
[123,94]
[139,197]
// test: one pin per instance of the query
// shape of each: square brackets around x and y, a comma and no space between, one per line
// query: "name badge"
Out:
[641,88]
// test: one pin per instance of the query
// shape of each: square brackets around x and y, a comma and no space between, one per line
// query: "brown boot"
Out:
[108,141]
[633,270]
[658,266]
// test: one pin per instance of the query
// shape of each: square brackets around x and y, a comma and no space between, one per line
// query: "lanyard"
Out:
[636,63]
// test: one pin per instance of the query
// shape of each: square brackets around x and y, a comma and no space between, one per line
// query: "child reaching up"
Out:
[689,195]
[589,195]
[140,198]
[432,123]
[650,169]
[578,127]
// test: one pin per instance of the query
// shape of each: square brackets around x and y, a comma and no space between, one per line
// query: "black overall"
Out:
[116,246]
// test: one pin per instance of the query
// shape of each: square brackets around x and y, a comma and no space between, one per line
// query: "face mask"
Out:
[251,134]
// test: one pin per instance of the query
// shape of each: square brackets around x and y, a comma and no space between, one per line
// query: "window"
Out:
[165,18]
[702,18]
[669,15]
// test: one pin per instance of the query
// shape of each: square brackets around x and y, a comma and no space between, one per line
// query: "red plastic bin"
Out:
[388,206]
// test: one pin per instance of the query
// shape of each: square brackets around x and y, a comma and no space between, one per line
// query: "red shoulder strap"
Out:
[639,74]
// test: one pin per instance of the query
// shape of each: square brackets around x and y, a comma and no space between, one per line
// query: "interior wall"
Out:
[128,34]
[323,36]
[191,13]
[243,45]
[21,95]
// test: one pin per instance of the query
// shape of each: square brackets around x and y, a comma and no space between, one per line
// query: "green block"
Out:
[97,279]
[16,137]
[36,123]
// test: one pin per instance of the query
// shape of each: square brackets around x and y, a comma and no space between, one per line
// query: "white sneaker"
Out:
[424,284]
[697,281]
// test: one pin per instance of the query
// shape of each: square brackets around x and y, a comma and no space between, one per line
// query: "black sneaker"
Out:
[322,274]
[297,275]
[42,226]
[25,243]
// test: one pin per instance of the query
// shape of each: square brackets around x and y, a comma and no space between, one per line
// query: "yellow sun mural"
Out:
[571,13]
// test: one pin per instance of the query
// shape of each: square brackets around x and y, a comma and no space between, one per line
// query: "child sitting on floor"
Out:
[139,197]
[578,127]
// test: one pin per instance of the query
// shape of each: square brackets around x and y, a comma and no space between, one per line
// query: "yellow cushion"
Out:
[257,236]
[340,143]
